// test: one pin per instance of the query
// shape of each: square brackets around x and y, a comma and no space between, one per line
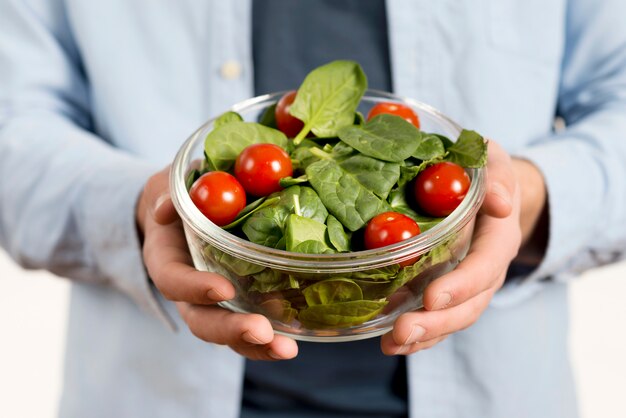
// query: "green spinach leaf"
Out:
[430,148]
[328,98]
[359,119]
[399,203]
[225,143]
[341,314]
[226,118]
[191,178]
[378,274]
[408,173]
[386,137]
[438,255]
[470,150]
[250,209]
[267,225]
[268,117]
[337,235]
[236,265]
[299,229]
[375,175]
[313,247]
[279,309]
[341,151]
[344,196]
[290,181]
[330,291]
[302,156]
[270,280]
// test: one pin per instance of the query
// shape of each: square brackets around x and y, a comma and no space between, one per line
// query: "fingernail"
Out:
[442,301]
[400,350]
[250,338]
[417,332]
[403,349]
[214,294]
[499,190]
[159,202]
[273,355]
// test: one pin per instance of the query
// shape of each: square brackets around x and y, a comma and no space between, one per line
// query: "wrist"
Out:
[533,212]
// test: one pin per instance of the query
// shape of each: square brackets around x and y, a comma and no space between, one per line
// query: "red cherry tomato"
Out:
[259,167]
[397,109]
[288,124]
[389,228]
[440,188]
[219,196]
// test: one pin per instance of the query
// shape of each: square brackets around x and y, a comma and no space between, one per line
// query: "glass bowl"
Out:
[333,297]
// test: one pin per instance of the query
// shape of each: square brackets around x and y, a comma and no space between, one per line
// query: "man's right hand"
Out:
[169,264]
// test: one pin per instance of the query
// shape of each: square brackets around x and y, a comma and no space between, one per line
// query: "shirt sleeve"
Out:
[584,165]
[67,197]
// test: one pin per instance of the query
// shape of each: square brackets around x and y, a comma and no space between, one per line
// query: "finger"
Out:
[420,326]
[494,244]
[157,198]
[248,334]
[389,348]
[164,211]
[280,348]
[500,183]
[169,265]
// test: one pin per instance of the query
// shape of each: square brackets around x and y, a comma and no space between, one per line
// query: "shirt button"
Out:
[230,70]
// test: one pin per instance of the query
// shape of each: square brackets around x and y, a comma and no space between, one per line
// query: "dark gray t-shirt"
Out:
[290,38]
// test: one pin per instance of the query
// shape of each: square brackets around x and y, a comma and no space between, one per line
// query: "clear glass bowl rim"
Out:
[325,263]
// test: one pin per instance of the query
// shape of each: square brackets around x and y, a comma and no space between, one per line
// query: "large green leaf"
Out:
[226,118]
[236,265]
[386,137]
[224,143]
[337,234]
[470,150]
[343,195]
[299,229]
[270,280]
[312,246]
[328,98]
[430,148]
[341,314]
[330,291]
[375,175]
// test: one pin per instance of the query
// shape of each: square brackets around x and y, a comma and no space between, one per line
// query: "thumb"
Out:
[501,183]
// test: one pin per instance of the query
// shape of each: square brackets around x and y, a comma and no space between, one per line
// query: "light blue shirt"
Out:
[96,96]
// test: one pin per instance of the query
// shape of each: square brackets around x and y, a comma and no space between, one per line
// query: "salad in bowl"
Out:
[330,208]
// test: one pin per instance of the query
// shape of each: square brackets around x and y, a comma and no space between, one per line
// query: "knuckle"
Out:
[468,324]
[166,293]
[150,186]
[196,332]
[402,328]
[163,279]
[475,312]
[191,318]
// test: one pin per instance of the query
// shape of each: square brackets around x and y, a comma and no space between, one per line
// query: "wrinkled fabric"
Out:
[95,96]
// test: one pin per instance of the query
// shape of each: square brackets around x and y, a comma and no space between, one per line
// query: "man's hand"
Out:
[456,300]
[196,293]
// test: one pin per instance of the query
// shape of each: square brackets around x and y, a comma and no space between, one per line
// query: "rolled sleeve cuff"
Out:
[574,182]
[108,215]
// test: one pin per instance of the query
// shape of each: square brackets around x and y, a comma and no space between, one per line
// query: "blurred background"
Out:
[33,313]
